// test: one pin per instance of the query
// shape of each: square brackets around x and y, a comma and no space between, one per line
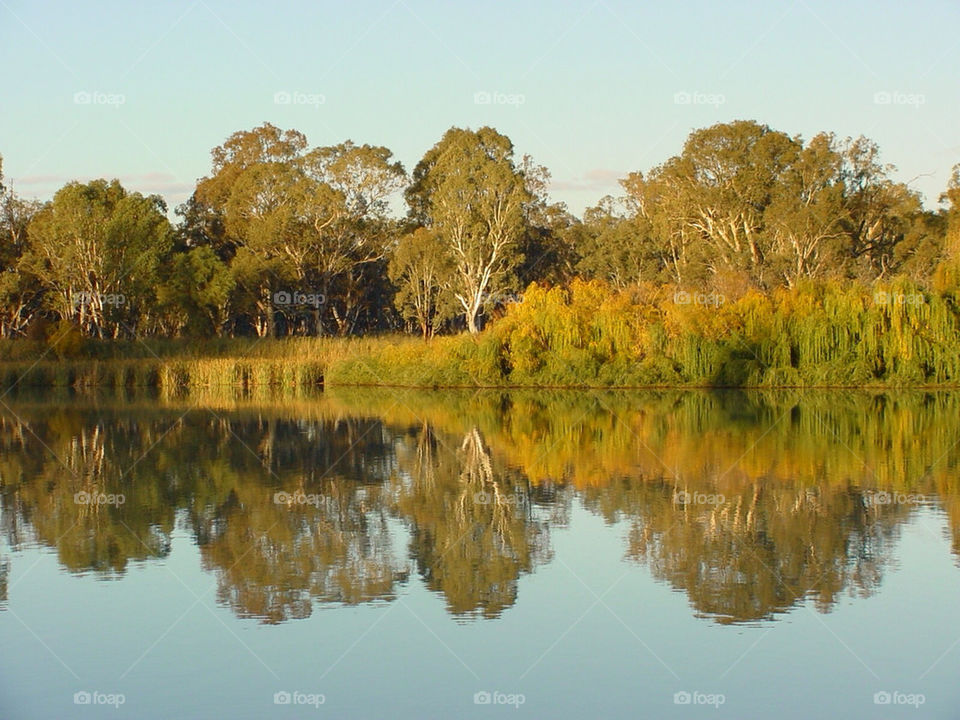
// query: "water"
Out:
[364,554]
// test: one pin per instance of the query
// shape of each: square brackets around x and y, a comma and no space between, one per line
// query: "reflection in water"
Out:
[280,531]
[748,503]
[4,574]
[757,552]
[472,525]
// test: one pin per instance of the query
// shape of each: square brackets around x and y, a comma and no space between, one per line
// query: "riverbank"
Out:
[818,335]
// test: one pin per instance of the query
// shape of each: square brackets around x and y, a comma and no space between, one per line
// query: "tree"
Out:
[720,186]
[347,213]
[238,207]
[290,215]
[946,276]
[749,204]
[97,250]
[546,252]
[19,295]
[196,292]
[878,209]
[806,215]
[470,191]
[617,247]
[421,269]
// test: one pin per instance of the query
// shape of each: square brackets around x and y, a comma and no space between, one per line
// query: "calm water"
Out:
[432,555]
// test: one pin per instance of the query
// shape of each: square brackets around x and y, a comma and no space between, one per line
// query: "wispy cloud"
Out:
[595,180]
[161,183]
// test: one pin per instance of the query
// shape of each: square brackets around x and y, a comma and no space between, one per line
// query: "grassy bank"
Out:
[173,365]
[585,335]
[814,335]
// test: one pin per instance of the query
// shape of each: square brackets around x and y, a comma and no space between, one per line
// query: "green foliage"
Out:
[196,291]
[470,191]
[768,223]
[821,334]
[422,271]
[97,250]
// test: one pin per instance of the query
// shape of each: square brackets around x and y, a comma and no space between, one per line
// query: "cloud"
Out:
[40,180]
[149,183]
[595,180]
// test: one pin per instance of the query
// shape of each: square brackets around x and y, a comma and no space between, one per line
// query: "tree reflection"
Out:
[747,503]
[300,519]
[759,551]
[272,560]
[4,575]
[69,479]
[473,527]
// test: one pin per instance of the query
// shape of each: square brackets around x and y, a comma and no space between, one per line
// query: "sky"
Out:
[142,91]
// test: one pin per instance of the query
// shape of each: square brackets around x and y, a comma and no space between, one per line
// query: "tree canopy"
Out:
[284,238]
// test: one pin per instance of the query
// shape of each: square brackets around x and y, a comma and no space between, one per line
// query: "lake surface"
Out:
[378,553]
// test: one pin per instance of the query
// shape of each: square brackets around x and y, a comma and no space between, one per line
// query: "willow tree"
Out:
[469,189]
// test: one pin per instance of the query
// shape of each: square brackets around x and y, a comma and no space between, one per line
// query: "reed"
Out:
[817,334]
[584,335]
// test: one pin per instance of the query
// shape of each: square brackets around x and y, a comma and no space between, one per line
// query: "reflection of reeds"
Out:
[901,441]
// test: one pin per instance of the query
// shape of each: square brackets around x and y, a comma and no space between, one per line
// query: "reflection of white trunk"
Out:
[477,463]
[479,484]
[87,462]
[426,465]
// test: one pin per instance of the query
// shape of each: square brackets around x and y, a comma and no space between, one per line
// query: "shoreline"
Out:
[191,373]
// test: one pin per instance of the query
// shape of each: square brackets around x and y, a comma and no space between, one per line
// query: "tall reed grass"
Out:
[584,335]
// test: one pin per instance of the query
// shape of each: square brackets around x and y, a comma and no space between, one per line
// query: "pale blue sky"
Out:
[599,81]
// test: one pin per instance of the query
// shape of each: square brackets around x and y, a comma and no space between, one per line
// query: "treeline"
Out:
[286,239]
